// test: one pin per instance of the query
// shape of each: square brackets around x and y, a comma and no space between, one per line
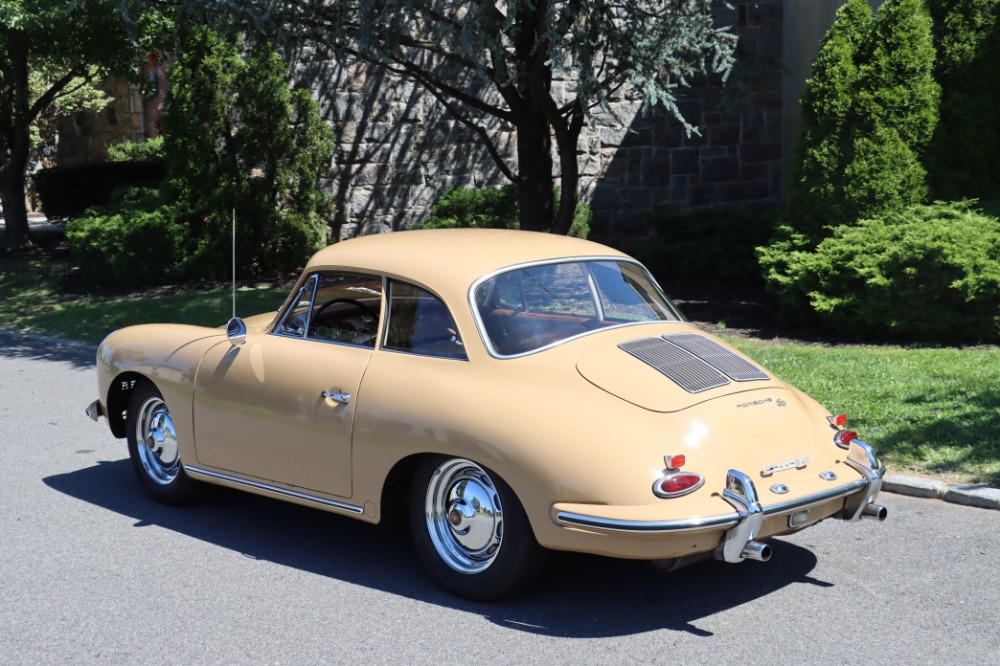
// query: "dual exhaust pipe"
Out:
[761,552]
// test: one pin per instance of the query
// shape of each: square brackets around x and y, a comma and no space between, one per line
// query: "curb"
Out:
[982,497]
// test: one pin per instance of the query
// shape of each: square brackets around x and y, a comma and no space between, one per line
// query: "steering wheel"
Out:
[351,301]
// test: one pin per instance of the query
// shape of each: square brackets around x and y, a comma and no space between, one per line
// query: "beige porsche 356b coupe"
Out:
[520,391]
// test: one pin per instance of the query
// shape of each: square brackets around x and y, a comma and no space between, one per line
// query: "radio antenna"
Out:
[234,263]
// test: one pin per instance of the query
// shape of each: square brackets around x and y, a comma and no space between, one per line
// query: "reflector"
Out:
[675,462]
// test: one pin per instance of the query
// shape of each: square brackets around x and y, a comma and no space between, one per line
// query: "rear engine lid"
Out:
[671,372]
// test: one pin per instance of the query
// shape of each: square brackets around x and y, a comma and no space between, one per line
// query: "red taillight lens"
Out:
[680,483]
[675,462]
[839,420]
[844,437]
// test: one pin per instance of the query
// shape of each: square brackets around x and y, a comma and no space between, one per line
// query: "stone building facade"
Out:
[398,150]
[84,136]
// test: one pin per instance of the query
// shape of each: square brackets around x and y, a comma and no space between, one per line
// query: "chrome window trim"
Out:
[284,492]
[481,327]
[570,519]
[314,278]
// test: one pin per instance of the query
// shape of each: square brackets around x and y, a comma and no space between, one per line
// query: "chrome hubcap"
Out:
[464,516]
[156,441]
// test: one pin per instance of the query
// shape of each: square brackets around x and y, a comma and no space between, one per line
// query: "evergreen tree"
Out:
[868,116]
[964,159]
[817,176]
[237,139]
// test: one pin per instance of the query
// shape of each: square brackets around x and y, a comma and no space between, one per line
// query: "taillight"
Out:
[843,438]
[677,484]
[837,421]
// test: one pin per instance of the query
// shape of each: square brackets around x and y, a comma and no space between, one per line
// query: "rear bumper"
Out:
[733,531]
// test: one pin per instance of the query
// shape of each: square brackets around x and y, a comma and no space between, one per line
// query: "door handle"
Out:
[342,398]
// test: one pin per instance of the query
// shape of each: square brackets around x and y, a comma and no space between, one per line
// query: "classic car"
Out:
[518,392]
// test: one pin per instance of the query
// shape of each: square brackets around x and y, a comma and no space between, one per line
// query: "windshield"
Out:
[528,308]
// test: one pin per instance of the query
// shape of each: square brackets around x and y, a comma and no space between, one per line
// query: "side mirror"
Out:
[236,331]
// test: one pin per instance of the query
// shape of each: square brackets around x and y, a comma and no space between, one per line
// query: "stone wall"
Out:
[398,149]
[84,136]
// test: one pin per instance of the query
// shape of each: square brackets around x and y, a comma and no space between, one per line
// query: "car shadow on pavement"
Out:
[578,596]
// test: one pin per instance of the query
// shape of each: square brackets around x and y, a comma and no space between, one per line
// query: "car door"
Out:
[280,407]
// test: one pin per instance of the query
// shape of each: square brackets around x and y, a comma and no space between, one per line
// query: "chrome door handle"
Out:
[342,398]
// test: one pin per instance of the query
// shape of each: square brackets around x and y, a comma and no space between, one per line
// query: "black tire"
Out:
[484,553]
[152,446]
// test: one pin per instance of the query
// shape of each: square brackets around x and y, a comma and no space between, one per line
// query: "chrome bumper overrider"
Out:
[94,410]
[744,523]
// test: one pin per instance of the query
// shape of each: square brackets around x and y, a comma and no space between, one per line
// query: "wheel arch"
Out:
[119,394]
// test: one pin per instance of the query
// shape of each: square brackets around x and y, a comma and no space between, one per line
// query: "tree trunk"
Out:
[567,133]
[534,134]
[15,213]
[15,140]
[534,162]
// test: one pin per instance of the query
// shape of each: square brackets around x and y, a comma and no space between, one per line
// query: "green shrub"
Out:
[134,243]
[150,150]
[707,243]
[926,273]
[237,139]
[491,208]
[70,190]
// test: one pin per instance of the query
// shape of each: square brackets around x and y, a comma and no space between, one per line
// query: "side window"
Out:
[419,323]
[336,307]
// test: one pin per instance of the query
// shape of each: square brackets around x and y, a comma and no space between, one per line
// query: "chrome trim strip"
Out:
[332,504]
[647,526]
[702,523]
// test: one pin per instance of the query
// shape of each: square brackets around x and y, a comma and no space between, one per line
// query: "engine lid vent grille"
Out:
[692,361]
[681,366]
[735,367]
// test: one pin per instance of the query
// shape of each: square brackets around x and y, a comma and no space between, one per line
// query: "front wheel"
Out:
[471,531]
[152,446]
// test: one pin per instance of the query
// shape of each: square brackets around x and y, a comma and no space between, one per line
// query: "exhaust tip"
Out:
[755,550]
[876,511]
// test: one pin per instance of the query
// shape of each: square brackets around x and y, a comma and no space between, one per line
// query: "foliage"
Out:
[707,243]
[491,208]
[70,190]
[66,45]
[867,115]
[964,159]
[150,150]
[926,273]
[237,139]
[492,66]
[130,243]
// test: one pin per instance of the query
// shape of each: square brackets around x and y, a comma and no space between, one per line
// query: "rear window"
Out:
[529,308]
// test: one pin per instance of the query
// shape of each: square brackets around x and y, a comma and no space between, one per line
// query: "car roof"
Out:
[456,257]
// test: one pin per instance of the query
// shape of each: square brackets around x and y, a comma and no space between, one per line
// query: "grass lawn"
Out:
[929,411]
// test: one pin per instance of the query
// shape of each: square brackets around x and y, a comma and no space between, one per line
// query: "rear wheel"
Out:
[471,531]
[152,446]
